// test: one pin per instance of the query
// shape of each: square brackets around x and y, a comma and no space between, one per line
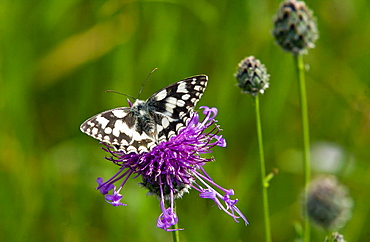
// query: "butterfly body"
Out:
[145,124]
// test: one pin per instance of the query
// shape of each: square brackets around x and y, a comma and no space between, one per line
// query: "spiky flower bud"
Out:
[328,204]
[252,76]
[295,27]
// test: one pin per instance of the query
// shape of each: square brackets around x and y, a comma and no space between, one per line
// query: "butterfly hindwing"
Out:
[146,123]
[175,103]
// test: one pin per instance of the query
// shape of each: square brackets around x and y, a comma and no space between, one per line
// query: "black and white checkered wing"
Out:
[172,106]
[116,127]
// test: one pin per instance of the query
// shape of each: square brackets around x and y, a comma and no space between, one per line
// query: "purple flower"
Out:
[167,218]
[172,167]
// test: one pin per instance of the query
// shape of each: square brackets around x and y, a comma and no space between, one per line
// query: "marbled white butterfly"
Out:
[142,126]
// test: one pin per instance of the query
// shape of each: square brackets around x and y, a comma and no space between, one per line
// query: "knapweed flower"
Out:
[173,167]
[295,28]
[328,203]
[252,76]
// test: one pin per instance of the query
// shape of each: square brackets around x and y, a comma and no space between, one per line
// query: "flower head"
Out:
[295,27]
[328,204]
[172,167]
[252,76]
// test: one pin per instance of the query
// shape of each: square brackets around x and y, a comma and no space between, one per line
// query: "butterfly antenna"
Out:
[142,86]
[121,94]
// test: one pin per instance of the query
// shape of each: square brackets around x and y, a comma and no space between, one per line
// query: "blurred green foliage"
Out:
[58,57]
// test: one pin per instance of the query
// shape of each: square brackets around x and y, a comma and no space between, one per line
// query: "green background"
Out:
[58,58]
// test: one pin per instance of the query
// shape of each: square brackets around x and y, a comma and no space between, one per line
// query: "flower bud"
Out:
[252,76]
[328,204]
[295,27]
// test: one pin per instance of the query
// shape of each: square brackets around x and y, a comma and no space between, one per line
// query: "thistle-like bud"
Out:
[295,27]
[328,203]
[252,76]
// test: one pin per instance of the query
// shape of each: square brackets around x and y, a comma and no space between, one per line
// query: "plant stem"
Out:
[175,234]
[306,137]
[265,184]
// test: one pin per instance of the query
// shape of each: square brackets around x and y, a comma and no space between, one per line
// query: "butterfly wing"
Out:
[172,106]
[116,127]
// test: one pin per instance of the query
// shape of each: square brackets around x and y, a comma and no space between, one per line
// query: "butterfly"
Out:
[143,125]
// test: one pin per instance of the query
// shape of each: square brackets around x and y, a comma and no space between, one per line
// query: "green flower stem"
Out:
[298,59]
[175,234]
[264,181]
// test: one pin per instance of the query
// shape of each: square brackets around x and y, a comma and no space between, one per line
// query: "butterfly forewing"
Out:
[140,127]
